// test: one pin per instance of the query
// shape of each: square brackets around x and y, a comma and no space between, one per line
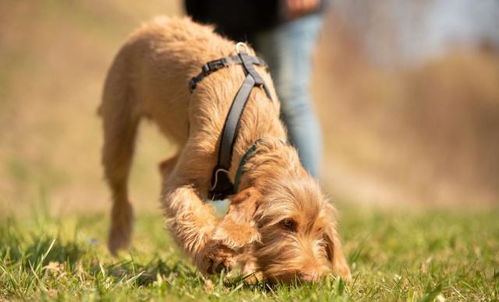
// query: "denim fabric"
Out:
[288,49]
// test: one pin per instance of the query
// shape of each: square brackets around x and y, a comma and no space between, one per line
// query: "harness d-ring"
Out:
[243,45]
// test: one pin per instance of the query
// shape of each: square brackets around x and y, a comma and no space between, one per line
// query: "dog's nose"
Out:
[308,276]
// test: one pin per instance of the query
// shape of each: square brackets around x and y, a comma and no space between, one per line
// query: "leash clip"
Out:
[222,186]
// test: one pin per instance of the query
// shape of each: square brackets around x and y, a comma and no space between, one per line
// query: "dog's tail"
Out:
[120,122]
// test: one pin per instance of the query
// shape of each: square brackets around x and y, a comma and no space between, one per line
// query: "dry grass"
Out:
[423,135]
[54,58]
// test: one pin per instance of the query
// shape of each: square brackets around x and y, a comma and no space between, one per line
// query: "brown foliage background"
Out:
[426,133]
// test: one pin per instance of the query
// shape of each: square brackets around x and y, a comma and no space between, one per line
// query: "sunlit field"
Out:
[410,162]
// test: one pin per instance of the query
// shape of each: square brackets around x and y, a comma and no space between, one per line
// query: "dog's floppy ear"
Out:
[335,253]
[237,229]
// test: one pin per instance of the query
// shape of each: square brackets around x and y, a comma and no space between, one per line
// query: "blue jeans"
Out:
[288,49]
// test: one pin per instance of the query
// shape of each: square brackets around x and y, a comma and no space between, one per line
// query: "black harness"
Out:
[221,186]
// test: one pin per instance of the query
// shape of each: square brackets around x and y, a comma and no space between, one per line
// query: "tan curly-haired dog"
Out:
[279,223]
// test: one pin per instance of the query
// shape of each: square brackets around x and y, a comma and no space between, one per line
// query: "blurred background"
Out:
[407,93]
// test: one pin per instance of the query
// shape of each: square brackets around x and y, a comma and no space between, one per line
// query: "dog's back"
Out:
[149,75]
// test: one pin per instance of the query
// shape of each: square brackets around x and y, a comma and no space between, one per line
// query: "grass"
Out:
[430,255]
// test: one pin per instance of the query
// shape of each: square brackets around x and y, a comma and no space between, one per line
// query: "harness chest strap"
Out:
[246,157]
[220,181]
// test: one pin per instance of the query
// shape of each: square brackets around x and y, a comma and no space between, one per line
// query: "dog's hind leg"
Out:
[121,120]
[117,157]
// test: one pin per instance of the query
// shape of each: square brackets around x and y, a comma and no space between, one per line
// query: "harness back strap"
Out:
[221,186]
[215,65]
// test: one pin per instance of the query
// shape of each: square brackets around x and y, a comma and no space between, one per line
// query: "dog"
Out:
[279,223]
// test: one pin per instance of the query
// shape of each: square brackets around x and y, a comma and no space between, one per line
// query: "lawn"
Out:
[417,255]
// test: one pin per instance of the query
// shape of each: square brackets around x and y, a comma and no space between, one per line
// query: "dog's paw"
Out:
[219,257]
[234,235]
[120,232]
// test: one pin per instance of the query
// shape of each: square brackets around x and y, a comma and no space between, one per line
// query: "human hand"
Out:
[297,8]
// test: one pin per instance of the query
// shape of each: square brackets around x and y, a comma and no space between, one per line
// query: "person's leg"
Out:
[288,51]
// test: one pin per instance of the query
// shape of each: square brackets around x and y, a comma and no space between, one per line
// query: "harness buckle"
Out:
[214,66]
[206,68]
[217,64]
[192,84]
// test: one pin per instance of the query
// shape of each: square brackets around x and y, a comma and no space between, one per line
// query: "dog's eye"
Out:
[289,224]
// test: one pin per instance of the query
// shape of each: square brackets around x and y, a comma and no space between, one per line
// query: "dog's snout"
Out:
[309,276]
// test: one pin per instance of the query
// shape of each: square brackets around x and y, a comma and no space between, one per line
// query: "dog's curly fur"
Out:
[279,223]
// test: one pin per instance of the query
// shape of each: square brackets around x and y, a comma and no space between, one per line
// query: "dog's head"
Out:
[296,224]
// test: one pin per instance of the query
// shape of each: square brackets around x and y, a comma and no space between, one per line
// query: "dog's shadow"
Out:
[157,269]
[53,254]
[145,274]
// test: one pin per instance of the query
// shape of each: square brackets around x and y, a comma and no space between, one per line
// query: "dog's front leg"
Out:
[192,223]
[237,229]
